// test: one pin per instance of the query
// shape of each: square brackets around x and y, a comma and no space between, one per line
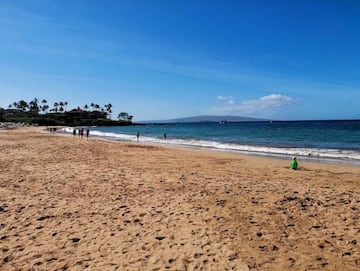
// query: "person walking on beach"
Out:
[165,136]
[293,163]
[87,133]
[137,136]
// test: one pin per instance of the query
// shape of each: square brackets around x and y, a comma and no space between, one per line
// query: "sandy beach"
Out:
[68,203]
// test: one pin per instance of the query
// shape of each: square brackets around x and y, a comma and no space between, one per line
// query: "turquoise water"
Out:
[338,140]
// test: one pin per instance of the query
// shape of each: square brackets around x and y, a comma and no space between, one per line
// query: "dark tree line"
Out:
[42,113]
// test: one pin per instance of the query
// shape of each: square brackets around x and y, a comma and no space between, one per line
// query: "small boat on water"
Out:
[223,121]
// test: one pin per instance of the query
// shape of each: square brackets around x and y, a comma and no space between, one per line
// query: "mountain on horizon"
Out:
[206,118]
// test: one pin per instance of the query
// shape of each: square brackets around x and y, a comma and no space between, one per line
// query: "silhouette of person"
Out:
[164,135]
[137,136]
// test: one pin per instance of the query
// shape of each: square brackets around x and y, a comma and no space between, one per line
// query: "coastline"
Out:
[343,151]
[75,203]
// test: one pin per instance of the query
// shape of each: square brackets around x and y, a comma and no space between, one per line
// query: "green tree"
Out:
[56,107]
[61,107]
[22,105]
[123,116]
[44,107]
[108,109]
[34,106]
[15,105]
[95,106]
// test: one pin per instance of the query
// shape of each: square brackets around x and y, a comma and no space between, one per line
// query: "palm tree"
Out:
[33,105]
[123,115]
[45,107]
[15,104]
[22,105]
[36,102]
[61,109]
[95,106]
[108,108]
[56,105]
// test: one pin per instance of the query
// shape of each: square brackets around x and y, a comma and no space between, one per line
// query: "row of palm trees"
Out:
[35,106]
[60,107]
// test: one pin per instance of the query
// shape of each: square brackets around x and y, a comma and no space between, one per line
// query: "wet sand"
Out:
[68,203]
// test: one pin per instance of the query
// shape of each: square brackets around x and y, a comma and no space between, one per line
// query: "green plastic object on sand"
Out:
[293,163]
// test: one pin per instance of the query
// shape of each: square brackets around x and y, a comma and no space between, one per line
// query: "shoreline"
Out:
[271,155]
[73,204]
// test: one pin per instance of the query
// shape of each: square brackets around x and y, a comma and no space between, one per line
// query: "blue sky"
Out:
[286,60]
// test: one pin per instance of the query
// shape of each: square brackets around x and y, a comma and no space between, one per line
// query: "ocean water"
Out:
[333,141]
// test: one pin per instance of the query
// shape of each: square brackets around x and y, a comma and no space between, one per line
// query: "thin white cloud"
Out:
[228,99]
[273,100]
[222,97]
[261,106]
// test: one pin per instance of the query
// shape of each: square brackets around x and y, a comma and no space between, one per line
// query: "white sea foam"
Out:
[350,156]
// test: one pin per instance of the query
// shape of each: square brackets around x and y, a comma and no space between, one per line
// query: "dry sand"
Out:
[76,204]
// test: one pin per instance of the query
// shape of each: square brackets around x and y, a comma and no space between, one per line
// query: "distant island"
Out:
[41,113]
[206,118]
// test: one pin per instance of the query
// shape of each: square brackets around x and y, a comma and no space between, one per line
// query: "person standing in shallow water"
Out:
[293,163]
[137,136]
